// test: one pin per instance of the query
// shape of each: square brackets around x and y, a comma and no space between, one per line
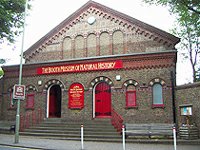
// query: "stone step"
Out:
[86,132]
[109,129]
[76,125]
[58,129]
[69,136]
[95,122]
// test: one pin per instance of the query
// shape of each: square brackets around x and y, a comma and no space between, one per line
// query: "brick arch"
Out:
[91,45]
[100,79]
[67,47]
[130,82]
[118,42]
[55,82]
[31,87]
[157,80]
[104,43]
[79,46]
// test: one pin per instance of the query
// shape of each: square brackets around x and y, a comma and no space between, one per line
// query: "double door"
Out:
[102,100]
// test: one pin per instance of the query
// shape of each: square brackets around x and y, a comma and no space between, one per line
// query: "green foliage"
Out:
[11,19]
[187,28]
[1,72]
[2,61]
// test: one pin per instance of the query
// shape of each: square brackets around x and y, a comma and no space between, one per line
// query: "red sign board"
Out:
[93,66]
[76,96]
[19,92]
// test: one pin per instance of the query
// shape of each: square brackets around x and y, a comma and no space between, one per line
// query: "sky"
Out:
[47,14]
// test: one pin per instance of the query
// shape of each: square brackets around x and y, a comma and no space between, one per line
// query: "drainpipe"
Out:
[173,96]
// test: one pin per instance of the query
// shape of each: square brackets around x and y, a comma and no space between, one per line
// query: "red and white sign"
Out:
[76,96]
[93,66]
[19,92]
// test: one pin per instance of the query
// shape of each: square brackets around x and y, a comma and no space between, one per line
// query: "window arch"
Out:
[79,47]
[118,45]
[157,92]
[104,44]
[12,102]
[30,96]
[91,45]
[131,99]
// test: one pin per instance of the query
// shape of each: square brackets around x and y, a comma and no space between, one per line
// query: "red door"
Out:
[52,103]
[102,100]
[55,102]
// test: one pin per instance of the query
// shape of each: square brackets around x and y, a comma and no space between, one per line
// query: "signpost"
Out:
[19,87]
[19,92]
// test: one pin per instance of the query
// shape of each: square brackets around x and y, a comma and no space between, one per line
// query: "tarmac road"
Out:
[51,144]
[4,147]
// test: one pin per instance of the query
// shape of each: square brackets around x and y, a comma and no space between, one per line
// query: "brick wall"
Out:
[189,94]
[104,37]
[144,113]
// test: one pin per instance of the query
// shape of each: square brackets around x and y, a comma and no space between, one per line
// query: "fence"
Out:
[117,120]
[30,118]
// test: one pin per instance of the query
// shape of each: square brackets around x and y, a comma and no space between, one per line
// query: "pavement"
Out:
[27,142]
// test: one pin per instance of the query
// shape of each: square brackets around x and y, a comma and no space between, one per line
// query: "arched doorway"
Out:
[102,100]
[54,102]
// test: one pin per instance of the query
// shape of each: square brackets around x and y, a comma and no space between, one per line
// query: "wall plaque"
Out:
[76,96]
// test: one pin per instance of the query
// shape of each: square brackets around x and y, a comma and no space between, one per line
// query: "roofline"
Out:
[109,10]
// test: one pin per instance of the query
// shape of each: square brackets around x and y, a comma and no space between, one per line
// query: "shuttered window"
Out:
[30,101]
[131,96]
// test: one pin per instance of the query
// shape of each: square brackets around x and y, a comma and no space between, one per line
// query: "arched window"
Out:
[12,102]
[157,92]
[157,95]
[131,88]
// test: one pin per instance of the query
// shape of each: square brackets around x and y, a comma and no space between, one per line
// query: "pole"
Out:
[173,96]
[123,137]
[82,147]
[20,79]
[174,135]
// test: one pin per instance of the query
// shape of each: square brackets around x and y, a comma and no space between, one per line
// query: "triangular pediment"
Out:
[95,18]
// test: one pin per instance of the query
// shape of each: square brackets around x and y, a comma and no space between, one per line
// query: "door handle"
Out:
[98,100]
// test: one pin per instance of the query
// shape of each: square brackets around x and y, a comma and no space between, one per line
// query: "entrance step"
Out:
[94,130]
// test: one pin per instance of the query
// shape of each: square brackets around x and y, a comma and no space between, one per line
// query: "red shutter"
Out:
[131,98]
[30,101]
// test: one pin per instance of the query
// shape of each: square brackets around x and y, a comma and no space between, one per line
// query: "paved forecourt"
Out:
[41,143]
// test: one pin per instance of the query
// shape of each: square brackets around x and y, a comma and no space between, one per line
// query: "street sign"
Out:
[19,92]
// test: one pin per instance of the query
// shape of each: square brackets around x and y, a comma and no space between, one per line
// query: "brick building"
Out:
[96,62]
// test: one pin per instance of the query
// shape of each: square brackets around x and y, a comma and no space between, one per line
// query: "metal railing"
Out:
[116,120]
[30,118]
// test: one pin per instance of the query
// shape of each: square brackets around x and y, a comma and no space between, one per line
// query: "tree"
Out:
[187,27]
[190,5]
[2,61]
[1,72]
[11,19]
[190,45]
